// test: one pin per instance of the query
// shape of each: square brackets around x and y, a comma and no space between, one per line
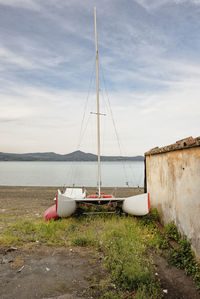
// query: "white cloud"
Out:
[31,59]
[155,4]
[187,1]
[44,69]
[37,113]
[28,4]
[8,57]
[52,119]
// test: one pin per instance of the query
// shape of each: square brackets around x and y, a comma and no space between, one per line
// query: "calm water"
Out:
[114,174]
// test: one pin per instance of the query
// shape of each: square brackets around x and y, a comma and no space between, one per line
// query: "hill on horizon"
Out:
[74,156]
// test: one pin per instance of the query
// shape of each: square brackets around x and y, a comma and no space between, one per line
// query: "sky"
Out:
[149,65]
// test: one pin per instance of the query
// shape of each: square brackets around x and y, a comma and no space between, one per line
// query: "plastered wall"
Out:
[173,181]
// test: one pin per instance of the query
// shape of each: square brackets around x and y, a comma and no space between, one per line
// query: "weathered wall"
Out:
[173,181]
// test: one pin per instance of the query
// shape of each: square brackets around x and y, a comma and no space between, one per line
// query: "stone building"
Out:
[173,182]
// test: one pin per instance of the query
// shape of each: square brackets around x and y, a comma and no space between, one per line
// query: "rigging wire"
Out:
[104,134]
[114,125]
[86,104]
[73,168]
[93,145]
[84,124]
[84,131]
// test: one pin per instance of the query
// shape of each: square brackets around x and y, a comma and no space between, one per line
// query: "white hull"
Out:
[137,205]
[66,202]
[66,206]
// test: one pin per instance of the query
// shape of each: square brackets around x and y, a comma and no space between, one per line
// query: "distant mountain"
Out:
[75,156]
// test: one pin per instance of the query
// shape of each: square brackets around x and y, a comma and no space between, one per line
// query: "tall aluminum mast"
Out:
[98,113]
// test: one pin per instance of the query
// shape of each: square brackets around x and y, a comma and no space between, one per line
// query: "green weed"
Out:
[125,257]
[82,241]
[183,258]
[149,219]
[171,232]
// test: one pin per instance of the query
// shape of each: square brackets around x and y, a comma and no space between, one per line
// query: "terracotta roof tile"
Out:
[179,145]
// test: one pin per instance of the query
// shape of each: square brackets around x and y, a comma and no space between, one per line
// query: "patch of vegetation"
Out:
[105,288]
[171,232]
[181,256]
[126,258]
[122,242]
[82,241]
[149,219]
[158,242]
[184,258]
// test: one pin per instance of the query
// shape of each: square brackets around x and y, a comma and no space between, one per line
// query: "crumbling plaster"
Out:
[173,182]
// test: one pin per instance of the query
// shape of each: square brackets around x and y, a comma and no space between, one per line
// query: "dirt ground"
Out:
[47,272]
[177,284]
[64,273]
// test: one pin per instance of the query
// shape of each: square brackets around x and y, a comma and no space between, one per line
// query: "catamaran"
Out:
[67,203]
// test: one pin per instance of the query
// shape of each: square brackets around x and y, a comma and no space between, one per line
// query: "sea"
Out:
[40,173]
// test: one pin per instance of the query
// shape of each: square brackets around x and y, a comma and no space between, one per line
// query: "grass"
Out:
[122,242]
[183,257]
[117,239]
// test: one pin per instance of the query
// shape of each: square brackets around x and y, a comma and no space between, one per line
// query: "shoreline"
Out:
[30,202]
[120,191]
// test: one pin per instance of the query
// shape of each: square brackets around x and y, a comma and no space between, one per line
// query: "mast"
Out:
[98,113]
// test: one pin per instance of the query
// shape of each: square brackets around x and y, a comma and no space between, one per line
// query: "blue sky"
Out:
[149,59]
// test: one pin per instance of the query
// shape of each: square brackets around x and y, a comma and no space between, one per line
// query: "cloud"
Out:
[150,61]
[8,57]
[155,4]
[28,4]
[52,118]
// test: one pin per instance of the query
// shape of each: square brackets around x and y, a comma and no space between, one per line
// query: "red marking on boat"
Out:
[92,196]
[56,201]
[107,196]
[148,202]
[102,195]
[50,213]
